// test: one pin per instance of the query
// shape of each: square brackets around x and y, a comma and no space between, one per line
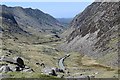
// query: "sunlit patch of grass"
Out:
[34,53]
[74,59]
[108,58]
[89,62]
[30,75]
[97,66]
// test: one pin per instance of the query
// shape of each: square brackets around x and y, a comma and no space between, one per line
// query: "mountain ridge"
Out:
[33,18]
[94,32]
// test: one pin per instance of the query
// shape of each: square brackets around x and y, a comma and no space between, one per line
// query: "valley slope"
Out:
[94,33]
[91,41]
[30,34]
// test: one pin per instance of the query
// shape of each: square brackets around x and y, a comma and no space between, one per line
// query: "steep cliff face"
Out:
[32,20]
[27,24]
[94,32]
[9,25]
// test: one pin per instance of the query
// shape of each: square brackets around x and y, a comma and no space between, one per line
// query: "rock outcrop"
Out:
[5,69]
[16,64]
[94,32]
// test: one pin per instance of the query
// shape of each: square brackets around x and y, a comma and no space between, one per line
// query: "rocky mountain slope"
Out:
[33,20]
[29,41]
[27,25]
[30,35]
[9,24]
[94,32]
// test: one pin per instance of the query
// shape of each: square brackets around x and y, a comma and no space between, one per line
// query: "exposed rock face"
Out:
[9,26]
[28,19]
[94,32]
[53,73]
[8,22]
[20,62]
[16,64]
[17,60]
[7,59]
[5,69]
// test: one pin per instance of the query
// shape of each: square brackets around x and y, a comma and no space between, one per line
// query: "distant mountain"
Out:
[31,20]
[65,21]
[9,25]
[94,32]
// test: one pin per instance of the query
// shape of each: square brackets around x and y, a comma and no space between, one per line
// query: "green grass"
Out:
[97,66]
[108,58]
[24,76]
[78,64]
[33,53]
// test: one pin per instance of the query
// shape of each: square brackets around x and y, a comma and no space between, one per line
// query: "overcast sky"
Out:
[56,9]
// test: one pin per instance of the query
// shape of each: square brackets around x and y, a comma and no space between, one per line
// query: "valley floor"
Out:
[76,65]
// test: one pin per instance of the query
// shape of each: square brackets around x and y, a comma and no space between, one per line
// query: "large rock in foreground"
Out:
[17,61]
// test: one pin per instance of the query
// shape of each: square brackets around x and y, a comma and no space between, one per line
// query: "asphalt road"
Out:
[61,62]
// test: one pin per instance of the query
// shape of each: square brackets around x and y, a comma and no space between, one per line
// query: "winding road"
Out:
[61,62]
